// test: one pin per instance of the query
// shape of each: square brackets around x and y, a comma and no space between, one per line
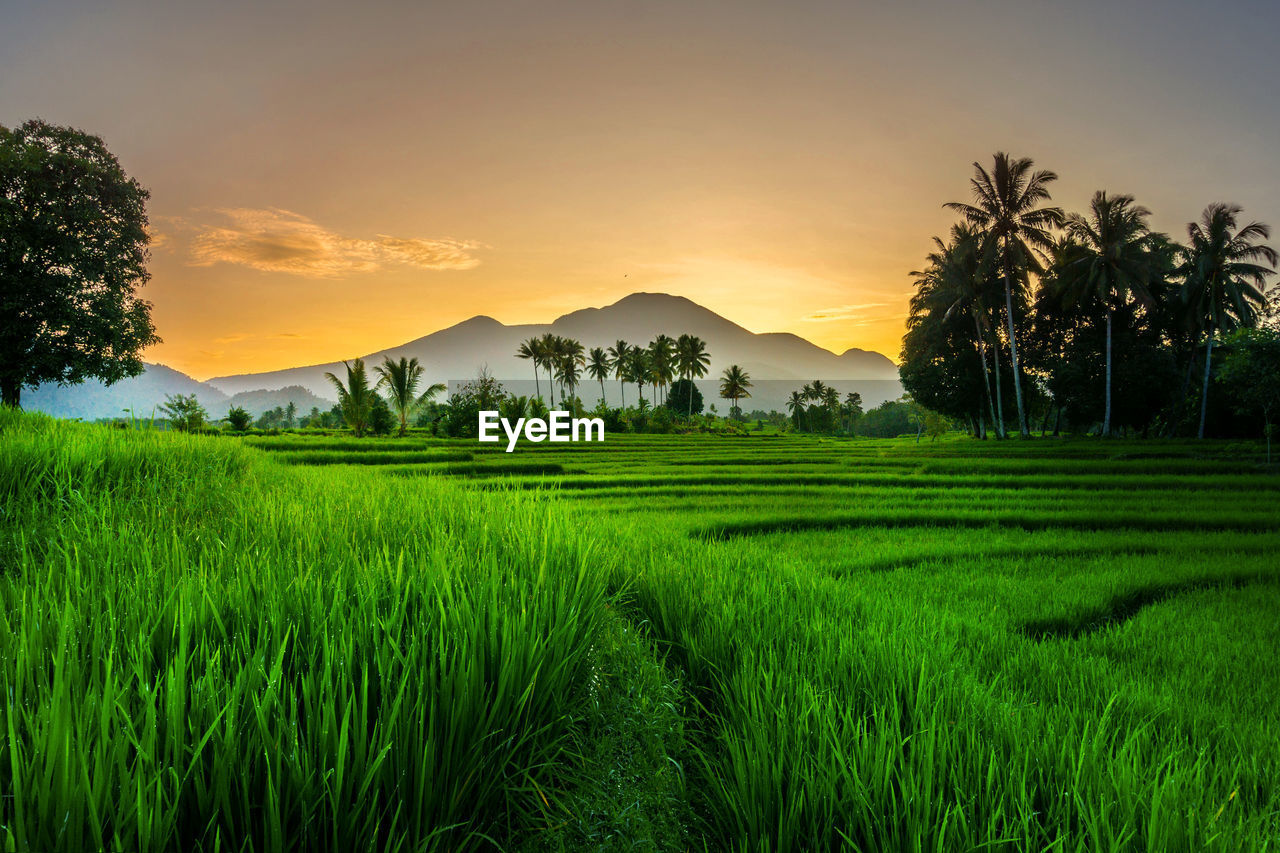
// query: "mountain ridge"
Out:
[460,350]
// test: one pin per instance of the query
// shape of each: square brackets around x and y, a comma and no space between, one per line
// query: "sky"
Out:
[330,179]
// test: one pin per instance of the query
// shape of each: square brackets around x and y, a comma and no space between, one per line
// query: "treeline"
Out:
[1026,316]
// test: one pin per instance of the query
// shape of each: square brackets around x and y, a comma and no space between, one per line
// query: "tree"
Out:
[73,254]
[532,350]
[238,418]
[546,355]
[184,412]
[619,358]
[1223,277]
[1016,228]
[290,413]
[569,361]
[1251,371]
[662,362]
[684,398]
[401,379]
[795,405]
[1110,264]
[852,409]
[599,366]
[692,360]
[356,397]
[734,383]
[638,368]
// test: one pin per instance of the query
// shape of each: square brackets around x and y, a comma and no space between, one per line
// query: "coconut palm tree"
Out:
[1008,211]
[795,405]
[959,278]
[569,362]
[1111,264]
[662,362]
[546,354]
[638,368]
[1224,277]
[692,361]
[831,402]
[618,355]
[401,379]
[599,366]
[531,350]
[852,409]
[356,398]
[734,383]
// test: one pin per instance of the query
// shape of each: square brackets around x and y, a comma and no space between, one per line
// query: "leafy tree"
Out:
[1110,264]
[184,412]
[890,419]
[401,379]
[73,254]
[684,398]
[1224,278]
[852,410]
[734,383]
[290,413]
[1007,209]
[1251,371]
[381,420]
[355,398]
[599,367]
[238,418]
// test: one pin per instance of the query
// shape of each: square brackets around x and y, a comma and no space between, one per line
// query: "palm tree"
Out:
[662,362]
[1016,228]
[402,378]
[598,365]
[569,361]
[532,350]
[638,367]
[1111,264]
[852,408]
[290,412]
[795,405]
[356,397]
[734,383]
[618,357]
[1223,277]
[959,278]
[548,345]
[692,360]
[831,401]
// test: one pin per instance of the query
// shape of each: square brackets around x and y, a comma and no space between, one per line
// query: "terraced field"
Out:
[654,643]
[1074,644]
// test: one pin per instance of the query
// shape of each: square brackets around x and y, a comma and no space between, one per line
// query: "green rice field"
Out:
[658,642]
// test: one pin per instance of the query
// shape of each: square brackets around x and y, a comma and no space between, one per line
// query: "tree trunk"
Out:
[602,392]
[622,387]
[1204,392]
[1106,417]
[986,377]
[536,387]
[10,392]
[690,412]
[999,415]
[1013,348]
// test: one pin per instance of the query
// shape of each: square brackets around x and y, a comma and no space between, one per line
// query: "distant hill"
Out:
[262,400]
[459,351]
[143,395]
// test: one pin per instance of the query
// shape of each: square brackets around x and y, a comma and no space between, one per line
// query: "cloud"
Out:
[274,240]
[843,312]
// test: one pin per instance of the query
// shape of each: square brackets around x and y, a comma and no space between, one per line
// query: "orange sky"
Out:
[328,181]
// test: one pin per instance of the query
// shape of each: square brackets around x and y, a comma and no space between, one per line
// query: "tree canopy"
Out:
[73,254]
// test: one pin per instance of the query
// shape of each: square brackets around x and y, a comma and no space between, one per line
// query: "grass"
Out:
[652,643]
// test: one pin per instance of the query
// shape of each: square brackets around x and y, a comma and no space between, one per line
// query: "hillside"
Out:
[460,350]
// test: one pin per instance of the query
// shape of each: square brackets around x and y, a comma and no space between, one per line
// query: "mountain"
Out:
[144,393]
[459,351]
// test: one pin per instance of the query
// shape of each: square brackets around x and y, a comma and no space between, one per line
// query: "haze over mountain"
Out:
[459,351]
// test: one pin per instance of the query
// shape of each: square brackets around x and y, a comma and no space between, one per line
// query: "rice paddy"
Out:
[653,643]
